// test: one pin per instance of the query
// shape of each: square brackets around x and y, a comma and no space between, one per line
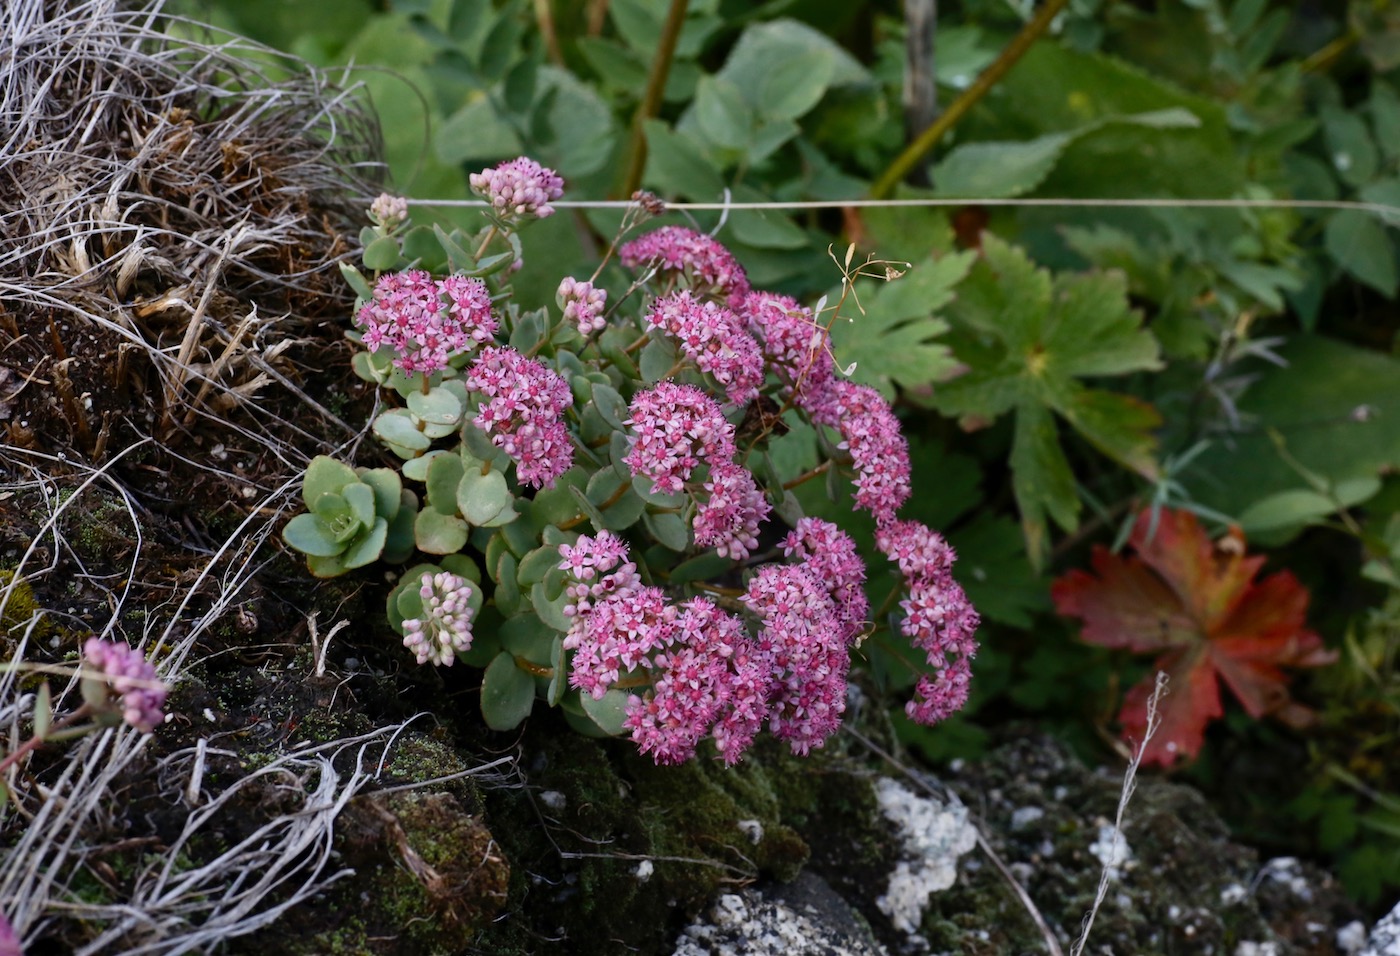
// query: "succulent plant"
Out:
[354,517]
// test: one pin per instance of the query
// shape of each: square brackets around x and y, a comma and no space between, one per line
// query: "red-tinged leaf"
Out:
[1198,601]
[1192,701]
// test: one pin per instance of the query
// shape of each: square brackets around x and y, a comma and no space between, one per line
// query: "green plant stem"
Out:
[481,249]
[1322,60]
[651,98]
[531,668]
[34,743]
[579,519]
[998,68]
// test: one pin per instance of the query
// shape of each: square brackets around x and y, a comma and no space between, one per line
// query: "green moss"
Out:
[18,610]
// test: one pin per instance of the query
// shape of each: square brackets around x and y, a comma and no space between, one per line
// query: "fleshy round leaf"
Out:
[360,497]
[325,476]
[367,548]
[437,533]
[668,529]
[507,693]
[388,489]
[444,474]
[309,535]
[382,254]
[507,594]
[482,498]
[438,407]
[396,427]
[608,712]
[610,405]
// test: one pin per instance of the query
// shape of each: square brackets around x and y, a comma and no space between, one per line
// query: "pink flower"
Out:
[519,189]
[713,678]
[938,618]
[445,630]
[795,346]
[675,428]
[802,632]
[728,519]
[127,672]
[618,635]
[425,323]
[708,267]
[831,555]
[583,305]
[522,413]
[714,339]
[588,562]
[870,431]
[9,941]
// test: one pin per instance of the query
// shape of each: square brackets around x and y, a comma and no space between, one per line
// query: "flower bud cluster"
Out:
[127,672]
[938,618]
[519,189]
[713,338]
[705,265]
[583,305]
[522,413]
[426,322]
[445,629]
[388,211]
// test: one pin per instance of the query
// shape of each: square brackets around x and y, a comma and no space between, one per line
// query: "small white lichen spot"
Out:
[1351,937]
[1249,948]
[644,871]
[1023,817]
[553,799]
[1233,895]
[1112,850]
[1286,870]
[753,829]
[935,835]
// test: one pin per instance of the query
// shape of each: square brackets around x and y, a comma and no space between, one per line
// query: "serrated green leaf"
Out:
[1358,243]
[1041,479]
[438,533]
[507,693]
[1120,426]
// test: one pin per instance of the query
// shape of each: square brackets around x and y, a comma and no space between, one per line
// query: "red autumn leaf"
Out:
[1195,604]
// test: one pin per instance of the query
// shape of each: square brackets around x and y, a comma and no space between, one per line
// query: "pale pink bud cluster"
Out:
[674,429]
[426,322]
[705,265]
[519,189]
[795,346]
[127,672]
[802,632]
[938,618]
[597,568]
[619,634]
[713,338]
[445,629]
[728,519]
[714,679]
[522,413]
[870,432]
[831,555]
[388,211]
[583,305]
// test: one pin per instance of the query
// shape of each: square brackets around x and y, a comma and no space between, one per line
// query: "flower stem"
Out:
[970,97]
[34,743]
[807,475]
[531,668]
[651,98]
[579,519]
[481,249]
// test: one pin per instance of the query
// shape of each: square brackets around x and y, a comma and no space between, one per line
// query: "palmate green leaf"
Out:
[893,343]
[1027,338]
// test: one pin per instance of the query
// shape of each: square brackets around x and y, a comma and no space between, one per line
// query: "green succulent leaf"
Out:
[325,476]
[309,535]
[610,405]
[669,529]
[388,488]
[507,595]
[440,406]
[444,475]
[382,254]
[507,693]
[399,542]
[396,427]
[483,498]
[361,499]
[702,567]
[608,712]
[437,533]
[366,547]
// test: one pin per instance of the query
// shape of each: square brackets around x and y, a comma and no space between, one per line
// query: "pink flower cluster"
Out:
[675,429]
[583,305]
[519,189]
[714,679]
[795,346]
[128,673]
[598,568]
[714,339]
[618,635]
[831,555]
[522,413]
[445,630]
[426,322]
[707,266]
[870,432]
[938,618]
[803,633]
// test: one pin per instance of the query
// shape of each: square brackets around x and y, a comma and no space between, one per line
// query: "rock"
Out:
[1385,936]
[804,918]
